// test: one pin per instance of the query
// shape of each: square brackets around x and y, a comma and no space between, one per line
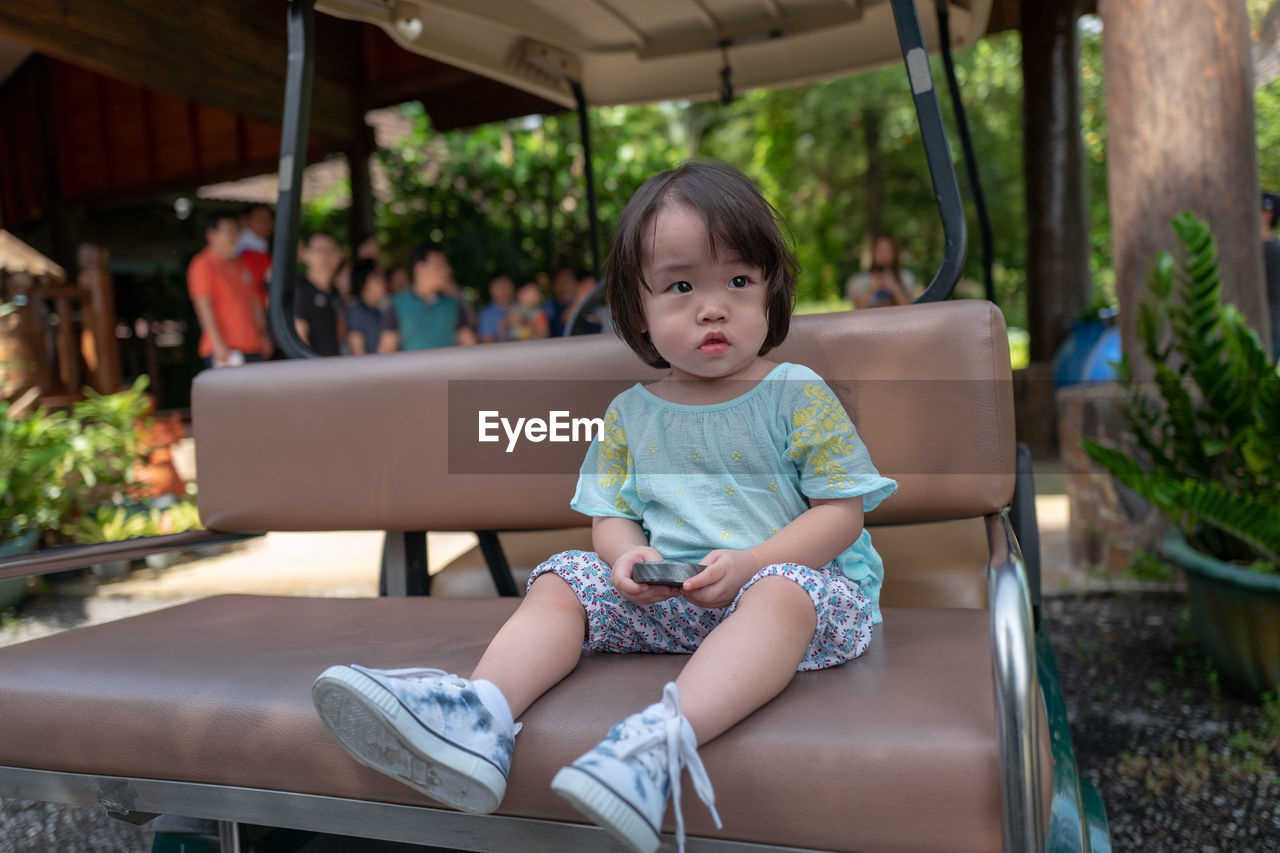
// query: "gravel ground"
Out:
[1181,764]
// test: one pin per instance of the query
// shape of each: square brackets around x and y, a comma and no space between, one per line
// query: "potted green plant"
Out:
[1206,453]
[109,524]
[35,451]
[177,517]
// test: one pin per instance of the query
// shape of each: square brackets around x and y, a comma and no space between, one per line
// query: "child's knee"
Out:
[786,599]
[550,590]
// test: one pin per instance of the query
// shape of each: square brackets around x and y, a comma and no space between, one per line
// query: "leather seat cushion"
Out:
[896,750]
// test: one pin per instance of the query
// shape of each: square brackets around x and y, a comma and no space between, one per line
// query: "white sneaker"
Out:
[622,784]
[423,727]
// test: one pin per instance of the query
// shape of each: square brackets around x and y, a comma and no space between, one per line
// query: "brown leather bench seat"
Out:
[894,751]
[898,750]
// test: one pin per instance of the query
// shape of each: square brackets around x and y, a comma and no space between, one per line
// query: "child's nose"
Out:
[710,310]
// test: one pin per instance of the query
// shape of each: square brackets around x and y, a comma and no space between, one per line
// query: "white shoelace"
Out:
[680,754]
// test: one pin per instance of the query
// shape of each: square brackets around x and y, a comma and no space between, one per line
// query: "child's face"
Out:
[530,295]
[705,315]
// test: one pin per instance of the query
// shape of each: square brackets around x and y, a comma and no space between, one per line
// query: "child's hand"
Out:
[725,574]
[639,593]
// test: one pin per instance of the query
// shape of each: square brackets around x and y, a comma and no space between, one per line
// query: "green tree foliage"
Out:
[840,159]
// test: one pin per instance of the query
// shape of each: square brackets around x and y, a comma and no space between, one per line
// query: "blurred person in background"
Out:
[371,321]
[886,283]
[233,325]
[253,245]
[317,314]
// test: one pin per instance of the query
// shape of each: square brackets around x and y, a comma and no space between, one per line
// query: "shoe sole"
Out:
[370,724]
[605,809]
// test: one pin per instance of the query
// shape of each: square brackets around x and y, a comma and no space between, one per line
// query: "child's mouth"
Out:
[714,344]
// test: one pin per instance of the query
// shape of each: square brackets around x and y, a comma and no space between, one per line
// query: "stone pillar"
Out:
[1181,137]
[1058,280]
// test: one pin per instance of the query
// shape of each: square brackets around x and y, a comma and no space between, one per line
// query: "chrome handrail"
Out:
[1017,688]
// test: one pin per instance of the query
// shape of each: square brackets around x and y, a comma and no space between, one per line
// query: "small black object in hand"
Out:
[666,573]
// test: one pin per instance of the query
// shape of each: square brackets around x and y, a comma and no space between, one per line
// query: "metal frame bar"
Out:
[79,556]
[293,157]
[938,152]
[124,796]
[593,218]
[966,144]
[1013,659]
[405,570]
[496,559]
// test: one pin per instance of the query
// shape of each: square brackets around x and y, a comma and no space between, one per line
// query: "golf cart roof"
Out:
[623,52]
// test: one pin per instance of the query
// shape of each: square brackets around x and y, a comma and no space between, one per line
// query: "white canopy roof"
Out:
[634,51]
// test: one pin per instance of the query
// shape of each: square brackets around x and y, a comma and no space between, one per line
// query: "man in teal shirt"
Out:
[429,318]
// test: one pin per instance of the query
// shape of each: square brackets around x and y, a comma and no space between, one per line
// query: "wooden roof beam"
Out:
[218,54]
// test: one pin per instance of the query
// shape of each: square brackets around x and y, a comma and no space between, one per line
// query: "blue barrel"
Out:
[1069,363]
[1098,366]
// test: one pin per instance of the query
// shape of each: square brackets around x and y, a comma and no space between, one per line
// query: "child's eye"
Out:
[681,287]
[739,281]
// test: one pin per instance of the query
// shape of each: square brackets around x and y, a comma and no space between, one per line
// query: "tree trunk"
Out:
[1058,280]
[1181,137]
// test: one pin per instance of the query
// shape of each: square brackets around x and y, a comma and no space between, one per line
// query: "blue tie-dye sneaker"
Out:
[422,727]
[622,785]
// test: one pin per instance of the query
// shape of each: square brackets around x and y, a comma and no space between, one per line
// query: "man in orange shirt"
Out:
[233,325]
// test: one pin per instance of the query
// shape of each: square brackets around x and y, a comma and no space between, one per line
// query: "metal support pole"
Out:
[496,559]
[966,143]
[293,156]
[404,564]
[941,169]
[593,219]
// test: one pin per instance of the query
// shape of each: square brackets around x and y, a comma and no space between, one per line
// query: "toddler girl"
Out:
[749,467]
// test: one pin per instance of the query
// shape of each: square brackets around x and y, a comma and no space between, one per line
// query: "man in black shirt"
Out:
[316,310]
[1271,262]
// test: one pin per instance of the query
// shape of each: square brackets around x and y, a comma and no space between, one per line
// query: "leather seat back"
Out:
[392,442]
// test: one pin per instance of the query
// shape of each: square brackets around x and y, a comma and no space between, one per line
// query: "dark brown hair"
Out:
[737,217]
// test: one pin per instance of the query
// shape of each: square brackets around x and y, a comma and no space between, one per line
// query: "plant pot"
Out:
[1236,613]
[112,569]
[13,590]
[163,560]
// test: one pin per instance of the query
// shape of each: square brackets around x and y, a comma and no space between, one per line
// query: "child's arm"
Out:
[621,543]
[815,538]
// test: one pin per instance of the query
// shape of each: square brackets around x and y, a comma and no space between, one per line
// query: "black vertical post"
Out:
[938,152]
[593,223]
[404,564]
[966,144]
[293,156]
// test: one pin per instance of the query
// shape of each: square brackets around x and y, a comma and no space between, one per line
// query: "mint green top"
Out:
[730,475]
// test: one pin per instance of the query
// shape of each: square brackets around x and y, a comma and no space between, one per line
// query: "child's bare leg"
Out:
[539,645]
[749,658]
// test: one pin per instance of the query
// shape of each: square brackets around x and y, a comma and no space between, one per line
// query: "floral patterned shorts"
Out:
[676,626]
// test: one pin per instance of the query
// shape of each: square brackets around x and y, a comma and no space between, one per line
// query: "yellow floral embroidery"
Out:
[773,529]
[728,490]
[773,487]
[724,534]
[697,457]
[653,448]
[736,456]
[821,433]
[616,463]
